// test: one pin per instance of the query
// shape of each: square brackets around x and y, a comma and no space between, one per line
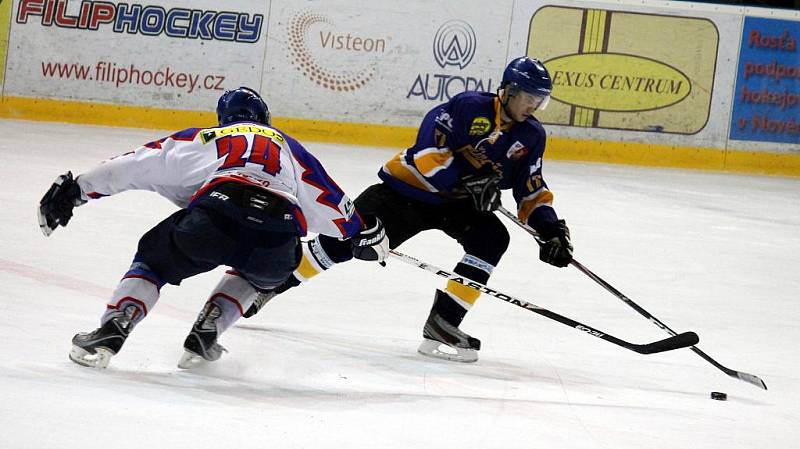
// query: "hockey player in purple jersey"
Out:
[467,150]
[247,193]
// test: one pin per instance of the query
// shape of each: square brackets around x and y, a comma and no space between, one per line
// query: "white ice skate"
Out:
[98,359]
[190,360]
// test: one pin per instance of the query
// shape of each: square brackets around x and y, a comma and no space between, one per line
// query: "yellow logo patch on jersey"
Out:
[210,134]
[479,126]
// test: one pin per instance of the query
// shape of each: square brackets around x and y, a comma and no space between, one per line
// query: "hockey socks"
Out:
[472,268]
[135,295]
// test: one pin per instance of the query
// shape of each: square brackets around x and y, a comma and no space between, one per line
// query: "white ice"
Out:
[333,364]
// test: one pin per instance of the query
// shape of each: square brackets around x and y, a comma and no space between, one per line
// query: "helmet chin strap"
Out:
[504,100]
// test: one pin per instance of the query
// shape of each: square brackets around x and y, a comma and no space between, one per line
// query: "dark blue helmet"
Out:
[528,75]
[240,105]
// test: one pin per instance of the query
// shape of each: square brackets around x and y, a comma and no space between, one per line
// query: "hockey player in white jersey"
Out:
[247,193]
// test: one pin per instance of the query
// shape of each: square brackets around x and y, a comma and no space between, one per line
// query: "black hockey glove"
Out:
[484,189]
[55,208]
[371,243]
[556,248]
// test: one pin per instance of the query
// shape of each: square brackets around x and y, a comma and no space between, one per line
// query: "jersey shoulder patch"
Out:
[209,134]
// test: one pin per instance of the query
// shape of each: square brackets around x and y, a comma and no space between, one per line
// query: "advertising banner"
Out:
[766,105]
[170,54]
[626,70]
[635,81]
[375,63]
[5,17]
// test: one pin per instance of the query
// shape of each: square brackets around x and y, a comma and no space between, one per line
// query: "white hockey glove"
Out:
[55,207]
[371,243]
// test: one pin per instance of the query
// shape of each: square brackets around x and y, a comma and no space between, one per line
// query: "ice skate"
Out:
[261,300]
[201,344]
[95,349]
[443,340]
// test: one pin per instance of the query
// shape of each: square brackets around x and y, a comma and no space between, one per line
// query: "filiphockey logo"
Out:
[454,44]
[303,59]
[149,20]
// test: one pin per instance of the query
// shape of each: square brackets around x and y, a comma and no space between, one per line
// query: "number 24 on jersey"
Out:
[264,152]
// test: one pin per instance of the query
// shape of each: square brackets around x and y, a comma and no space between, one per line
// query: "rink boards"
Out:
[648,83]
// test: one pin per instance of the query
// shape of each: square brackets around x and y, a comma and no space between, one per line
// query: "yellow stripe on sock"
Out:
[306,269]
[462,292]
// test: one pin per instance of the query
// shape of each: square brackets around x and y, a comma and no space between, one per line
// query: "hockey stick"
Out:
[668,344]
[750,378]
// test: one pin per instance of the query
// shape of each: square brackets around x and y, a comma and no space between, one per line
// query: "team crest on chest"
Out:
[480,126]
[517,151]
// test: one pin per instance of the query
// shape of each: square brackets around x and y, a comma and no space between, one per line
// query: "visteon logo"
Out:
[329,41]
[454,44]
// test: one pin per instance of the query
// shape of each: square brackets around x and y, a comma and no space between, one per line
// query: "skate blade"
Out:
[46,230]
[431,348]
[190,360]
[98,360]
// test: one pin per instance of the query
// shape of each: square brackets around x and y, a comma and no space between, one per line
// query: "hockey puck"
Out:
[719,396]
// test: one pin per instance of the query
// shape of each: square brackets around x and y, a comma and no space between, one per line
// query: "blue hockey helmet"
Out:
[528,75]
[242,104]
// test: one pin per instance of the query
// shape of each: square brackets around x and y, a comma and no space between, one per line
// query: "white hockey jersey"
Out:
[182,166]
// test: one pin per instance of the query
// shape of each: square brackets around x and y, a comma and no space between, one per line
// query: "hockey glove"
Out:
[484,189]
[556,248]
[371,243]
[55,208]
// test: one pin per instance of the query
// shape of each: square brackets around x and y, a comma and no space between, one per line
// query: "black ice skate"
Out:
[201,344]
[442,338]
[95,349]
[261,300]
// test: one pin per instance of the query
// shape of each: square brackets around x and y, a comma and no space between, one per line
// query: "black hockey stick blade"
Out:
[679,341]
[741,375]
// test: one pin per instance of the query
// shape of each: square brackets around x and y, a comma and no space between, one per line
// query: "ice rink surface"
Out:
[333,364]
